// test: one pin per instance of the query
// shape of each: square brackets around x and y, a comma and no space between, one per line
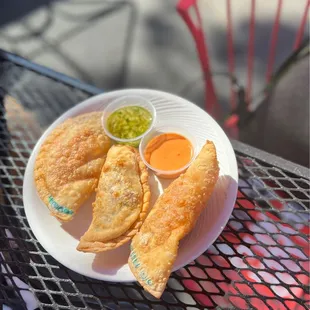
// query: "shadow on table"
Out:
[79,225]
[33,29]
[15,9]
[110,262]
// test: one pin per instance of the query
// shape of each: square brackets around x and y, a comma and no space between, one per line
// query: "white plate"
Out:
[60,240]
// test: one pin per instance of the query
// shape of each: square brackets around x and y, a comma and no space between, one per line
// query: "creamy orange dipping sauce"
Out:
[169,151]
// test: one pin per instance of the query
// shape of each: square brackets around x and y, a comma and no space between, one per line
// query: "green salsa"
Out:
[129,122]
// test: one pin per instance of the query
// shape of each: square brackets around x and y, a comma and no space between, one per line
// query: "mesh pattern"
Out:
[260,261]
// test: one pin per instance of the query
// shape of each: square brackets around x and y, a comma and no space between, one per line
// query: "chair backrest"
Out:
[281,123]
[258,32]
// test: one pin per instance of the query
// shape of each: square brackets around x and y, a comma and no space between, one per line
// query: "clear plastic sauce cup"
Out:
[168,174]
[127,101]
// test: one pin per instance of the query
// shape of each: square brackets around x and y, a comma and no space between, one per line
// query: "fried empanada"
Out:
[122,201]
[68,165]
[154,248]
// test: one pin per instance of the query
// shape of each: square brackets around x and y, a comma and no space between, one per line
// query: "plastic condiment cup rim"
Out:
[110,135]
[193,142]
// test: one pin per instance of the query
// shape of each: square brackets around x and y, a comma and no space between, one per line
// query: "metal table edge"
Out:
[271,159]
[45,71]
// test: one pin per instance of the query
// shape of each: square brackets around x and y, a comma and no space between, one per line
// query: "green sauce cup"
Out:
[124,119]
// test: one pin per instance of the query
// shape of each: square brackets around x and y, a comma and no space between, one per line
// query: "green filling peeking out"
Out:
[57,207]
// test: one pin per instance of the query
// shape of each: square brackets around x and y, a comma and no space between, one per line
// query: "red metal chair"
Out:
[240,100]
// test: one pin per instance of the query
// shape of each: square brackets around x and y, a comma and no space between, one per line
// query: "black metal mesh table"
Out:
[260,261]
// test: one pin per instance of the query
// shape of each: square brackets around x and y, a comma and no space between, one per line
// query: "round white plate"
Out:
[60,240]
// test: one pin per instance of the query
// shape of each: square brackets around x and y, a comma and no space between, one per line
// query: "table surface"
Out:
[260,261]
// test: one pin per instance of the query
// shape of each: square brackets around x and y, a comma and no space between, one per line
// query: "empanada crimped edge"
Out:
[96,247]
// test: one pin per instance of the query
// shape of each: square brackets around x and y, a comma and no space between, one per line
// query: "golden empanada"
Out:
[154,248]
[122,201]
[69,162]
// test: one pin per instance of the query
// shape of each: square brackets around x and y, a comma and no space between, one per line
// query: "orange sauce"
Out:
[168,151]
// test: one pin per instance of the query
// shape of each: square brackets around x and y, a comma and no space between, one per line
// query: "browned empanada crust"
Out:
[69,163]
[122,201]
[154,248]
